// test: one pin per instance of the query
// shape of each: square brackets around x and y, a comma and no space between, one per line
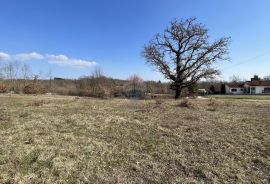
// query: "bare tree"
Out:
[184,54]
[11,73]
[97,73]
[267,78]
[50,77]
[1,72]
[3,87]
[11,70]
[235,78]
[25,73]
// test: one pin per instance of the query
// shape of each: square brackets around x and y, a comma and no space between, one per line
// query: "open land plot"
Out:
[79,140]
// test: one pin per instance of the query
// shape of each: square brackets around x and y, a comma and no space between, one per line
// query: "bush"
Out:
[213,105]
[185,103]
[135,87]
[34,89]
[96,85]
[3,88]
[101,91]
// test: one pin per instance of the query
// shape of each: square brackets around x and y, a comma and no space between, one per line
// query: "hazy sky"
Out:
[71,37]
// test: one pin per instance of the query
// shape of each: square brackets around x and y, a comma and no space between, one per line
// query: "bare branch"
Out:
[183,53]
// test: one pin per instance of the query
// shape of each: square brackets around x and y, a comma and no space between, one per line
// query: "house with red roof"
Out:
[255,86]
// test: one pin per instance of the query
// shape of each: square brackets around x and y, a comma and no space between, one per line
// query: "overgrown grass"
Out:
[84,140]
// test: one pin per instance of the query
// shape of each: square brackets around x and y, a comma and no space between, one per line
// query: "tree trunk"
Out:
[177,92]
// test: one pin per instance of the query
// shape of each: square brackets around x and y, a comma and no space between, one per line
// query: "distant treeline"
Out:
[102,87]
[95,85]
[86,86]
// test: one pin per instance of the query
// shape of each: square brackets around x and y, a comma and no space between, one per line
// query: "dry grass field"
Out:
[241,97]
[83,140]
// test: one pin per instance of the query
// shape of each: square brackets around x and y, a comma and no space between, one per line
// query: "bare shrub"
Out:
[135,87]
[212,105]
[96,85]
[118,91]
[211,102]
[3,88]
[100,87]
[34,89]
[185,103]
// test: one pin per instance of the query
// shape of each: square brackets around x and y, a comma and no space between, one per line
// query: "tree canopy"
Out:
[184,54]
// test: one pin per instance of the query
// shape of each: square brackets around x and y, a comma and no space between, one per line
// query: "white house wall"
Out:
[238,92]
[259,89]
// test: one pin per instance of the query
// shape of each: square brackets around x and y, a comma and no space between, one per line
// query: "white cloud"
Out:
[4,56]
[51,58]
[28,56]
[64,60]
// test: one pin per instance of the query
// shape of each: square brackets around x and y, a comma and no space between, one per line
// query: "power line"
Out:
[247,60]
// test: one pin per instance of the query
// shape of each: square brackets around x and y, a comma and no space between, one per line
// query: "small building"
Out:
[248,87]
[235,88]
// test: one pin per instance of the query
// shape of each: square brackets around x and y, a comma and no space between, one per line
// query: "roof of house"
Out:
[259,83]
[249,83]
[236,84]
